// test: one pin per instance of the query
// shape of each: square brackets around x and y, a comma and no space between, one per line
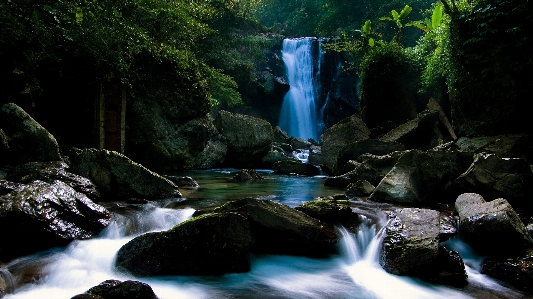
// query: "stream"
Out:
[355,273]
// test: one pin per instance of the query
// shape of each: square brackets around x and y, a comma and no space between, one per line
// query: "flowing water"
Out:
[298,116]
[355,273]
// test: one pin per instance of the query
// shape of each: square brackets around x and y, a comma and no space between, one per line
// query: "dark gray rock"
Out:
[278,229]
[420,176]
[117,176]
[517,271]
[485,225]
[331,211]
[353,150]
[341,181]
[48,215]
[249,139]
[372,168]
[116,289]
[315,155]
[506,146]
[495,177]
[50,172]
[24,138]
[245,175]
[360,188]
[7,282]
[210,244]
[299,143]
[183,181]
[335,138]
[281,136]
[275,156]
[414,134]
[295,167]
[411,247]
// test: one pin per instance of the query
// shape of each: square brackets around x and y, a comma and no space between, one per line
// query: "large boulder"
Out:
[249,139]
[491,227]
[50,172]
[116,289]
[45,215]
[416,133]
[420,176]
[24,138]
[506,146]
[162,142]
[117,176]
[295,167]
[335,138]
[495,177]
[353,150]
[331,211]
[210,244]
[279,229]
[411,247]
[517,271]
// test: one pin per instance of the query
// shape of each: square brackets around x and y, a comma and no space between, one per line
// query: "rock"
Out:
[295,167]
[210,244]
[411,247]
[281,136]
[117,176]
[50,215]
[315,155]
[341,181]
[7,282]
[415,133]
[24,138]
[247,175]
[50,172]
[182,181]
[330,211]
[353,150]
[517,271]
[87,296]
[360,188]
[494,177]
[5,152]
[485,225]
[421,177]
[116,289]
[299,143]
[373,168]
[506,146]
[275,156]
[249,139]
[335,138]
[278,229]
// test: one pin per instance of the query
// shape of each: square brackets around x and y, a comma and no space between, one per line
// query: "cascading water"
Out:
[298,116]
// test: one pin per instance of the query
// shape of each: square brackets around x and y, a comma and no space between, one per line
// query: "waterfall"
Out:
[298,116]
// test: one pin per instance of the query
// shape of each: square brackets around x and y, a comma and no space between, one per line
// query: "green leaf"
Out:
[436,17]
[395,15]
[386,19]
[371,42]
[366,27]
[405,12]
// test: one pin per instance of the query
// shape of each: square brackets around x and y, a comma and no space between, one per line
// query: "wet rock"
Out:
[484,225]
[495,177]
[415,133]
[299,143]
[247,175]
[295,167]
[7,282]
[116,289]
[183,181]
[24,138]
[210,244]
[50,172]
[517,271]
[118,177]
[360,188]
[248,138]
[341,181]
[278,229]
[315,155]
[281,136]
[373,168]
[331,211]
[335,138]
[420,176]
[275,156]
[411,247]
[507,146]
[50,215]
[353,150]
[448,227]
